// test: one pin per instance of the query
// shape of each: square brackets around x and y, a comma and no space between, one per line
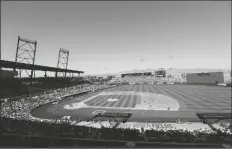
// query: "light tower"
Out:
[62,61]
[25,53]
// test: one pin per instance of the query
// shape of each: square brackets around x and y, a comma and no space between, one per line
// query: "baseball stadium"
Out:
[136,109]
[115,74]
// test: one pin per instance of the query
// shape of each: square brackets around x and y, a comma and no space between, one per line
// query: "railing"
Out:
[13,140]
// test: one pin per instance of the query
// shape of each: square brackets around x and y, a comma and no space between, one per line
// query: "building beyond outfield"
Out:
[208,78]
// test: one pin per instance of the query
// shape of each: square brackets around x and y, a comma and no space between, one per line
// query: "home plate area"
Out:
[127,100]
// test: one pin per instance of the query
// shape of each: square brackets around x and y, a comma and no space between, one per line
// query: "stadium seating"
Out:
[149,80]
[16,122]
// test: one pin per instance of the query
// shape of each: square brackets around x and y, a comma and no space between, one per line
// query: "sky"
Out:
[114,36]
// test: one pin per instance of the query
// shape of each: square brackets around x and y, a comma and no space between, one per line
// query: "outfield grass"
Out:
[191,97]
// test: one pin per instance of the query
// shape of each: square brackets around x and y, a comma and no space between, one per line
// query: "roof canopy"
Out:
[10,64]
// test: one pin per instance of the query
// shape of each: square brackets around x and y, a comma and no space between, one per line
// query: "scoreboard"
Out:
[160,73]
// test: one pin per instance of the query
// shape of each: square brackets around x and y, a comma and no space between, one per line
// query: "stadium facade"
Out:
[207,78]
[147,72]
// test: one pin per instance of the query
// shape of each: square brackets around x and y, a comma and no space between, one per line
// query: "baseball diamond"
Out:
[146,102]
